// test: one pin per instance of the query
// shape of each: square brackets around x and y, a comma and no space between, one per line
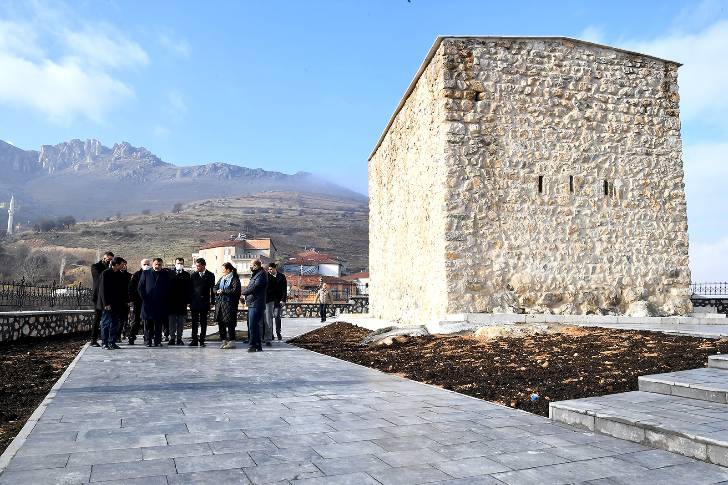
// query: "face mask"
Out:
[146,267]
[179,267]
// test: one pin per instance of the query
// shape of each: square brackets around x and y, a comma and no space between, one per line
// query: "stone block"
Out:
[568,416]
[619,430]
[656,387]
[676,444]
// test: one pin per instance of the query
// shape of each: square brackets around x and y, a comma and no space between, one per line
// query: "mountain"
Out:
[89,180]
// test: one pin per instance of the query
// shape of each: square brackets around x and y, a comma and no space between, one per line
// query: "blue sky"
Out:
[309,85]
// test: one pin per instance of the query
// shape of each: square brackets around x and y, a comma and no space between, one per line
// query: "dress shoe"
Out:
[131,341]
[252,349]
[193,343]
[114,347]
[279,337]
[171,342]
[202,344]
[180,342]
[268,344]
[148,344]
[95,344]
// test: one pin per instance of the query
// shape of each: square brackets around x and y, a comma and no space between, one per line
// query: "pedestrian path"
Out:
[290,416]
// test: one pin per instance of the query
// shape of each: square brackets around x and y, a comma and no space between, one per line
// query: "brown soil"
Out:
[575,363]
[28,370]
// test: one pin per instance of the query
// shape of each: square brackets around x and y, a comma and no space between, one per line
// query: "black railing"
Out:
[709,290]
[20,295]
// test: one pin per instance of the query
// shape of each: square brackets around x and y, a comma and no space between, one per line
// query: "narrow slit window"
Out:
[571,184]
[475,95]
[540,184]
[606,188]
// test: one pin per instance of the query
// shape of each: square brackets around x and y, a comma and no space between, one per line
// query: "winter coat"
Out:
[96,270]
[133,289]
[203,291]
[111,291]
[126,278]
[256,290]
[226,306]
[180,290]
[280,285]
[154,289]
[324,297]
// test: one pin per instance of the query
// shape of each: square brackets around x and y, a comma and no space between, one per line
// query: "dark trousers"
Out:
[96,329]
[136,322]
[255,319]
[123,323]
[277,310]
[110,321]
[227,330]
[199,321]
[322,311]
[153,330]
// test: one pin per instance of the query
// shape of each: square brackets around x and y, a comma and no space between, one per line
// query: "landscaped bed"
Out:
[28,370]
[566,363]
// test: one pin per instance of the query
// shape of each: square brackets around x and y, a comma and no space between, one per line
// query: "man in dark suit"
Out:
[111,300]
[136,300]
[202,298]
[255,300]
[96,270]
[280,292]
[123,328]
[154,286]
[179,297]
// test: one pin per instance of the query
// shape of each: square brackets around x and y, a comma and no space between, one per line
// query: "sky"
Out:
[309,85]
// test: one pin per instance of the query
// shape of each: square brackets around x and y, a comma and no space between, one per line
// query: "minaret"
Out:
[11,214]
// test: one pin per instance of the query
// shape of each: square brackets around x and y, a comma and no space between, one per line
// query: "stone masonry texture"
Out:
[537,175]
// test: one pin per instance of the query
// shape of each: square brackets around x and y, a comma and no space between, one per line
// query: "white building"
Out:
[311,262]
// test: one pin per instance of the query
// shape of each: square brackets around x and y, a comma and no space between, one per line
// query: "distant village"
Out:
[305,271]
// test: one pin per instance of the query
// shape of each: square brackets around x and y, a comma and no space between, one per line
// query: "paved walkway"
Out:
[183,415]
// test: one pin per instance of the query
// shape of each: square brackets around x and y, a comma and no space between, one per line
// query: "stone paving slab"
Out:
[706,384]
[291,416]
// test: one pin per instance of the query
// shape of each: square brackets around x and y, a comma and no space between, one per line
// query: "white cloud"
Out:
[704,73]
[64,74]
[100,49]
[592,33]
[176,46]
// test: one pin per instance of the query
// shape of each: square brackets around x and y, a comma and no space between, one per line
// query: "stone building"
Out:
[536,175]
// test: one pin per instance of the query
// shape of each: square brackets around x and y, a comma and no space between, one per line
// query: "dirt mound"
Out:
[563,363]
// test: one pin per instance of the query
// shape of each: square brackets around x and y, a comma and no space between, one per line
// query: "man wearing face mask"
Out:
[96,270]
[136,301]
[154,292]
[179,298]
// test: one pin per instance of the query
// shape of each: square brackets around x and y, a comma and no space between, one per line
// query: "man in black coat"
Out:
[255,300]
[136,300]
[111,300]
[154,291]
[124,323]
[96,270]
[179,297]
[201,299]
[280,294]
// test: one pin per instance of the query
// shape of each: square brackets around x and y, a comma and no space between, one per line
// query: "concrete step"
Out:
[691,427]
[705,384]
[719,316]
[718,361]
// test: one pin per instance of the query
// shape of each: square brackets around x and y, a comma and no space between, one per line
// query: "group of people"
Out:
[159,299]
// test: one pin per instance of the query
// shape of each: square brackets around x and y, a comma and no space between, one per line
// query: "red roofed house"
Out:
[239,252]
[361,280]
[311,262]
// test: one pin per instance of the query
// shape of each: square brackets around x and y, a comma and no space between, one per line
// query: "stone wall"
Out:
[15,325]
[407,182]
[566,116]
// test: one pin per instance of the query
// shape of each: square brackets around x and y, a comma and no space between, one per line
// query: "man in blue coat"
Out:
[255,299]
[154,286]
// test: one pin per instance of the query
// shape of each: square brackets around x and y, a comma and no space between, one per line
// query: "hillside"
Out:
[294,221]
[88,180]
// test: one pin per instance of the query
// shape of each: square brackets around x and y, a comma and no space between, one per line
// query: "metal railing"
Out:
[710,290]
[309,296]
[20,295]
